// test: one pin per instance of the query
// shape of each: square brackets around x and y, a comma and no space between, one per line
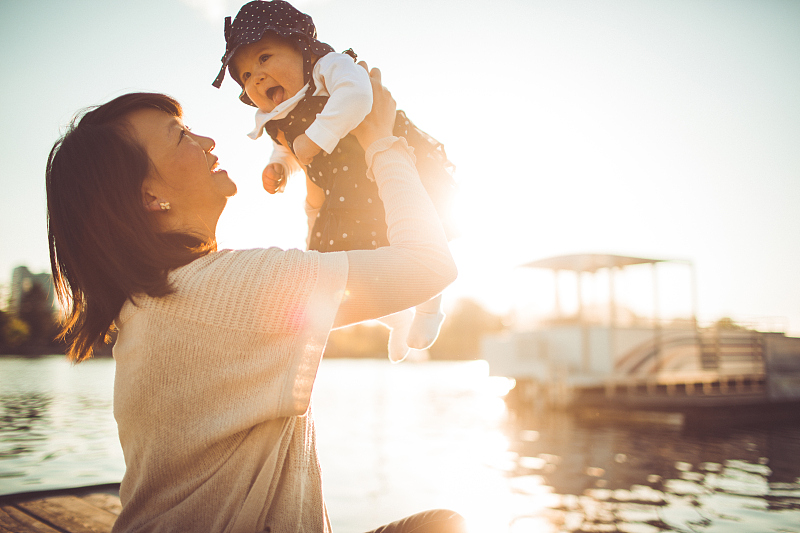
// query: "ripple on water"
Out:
[57,426]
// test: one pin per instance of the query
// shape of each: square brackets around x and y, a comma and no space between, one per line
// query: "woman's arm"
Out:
[417,264]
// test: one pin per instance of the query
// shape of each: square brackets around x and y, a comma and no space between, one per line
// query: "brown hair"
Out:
[104,246]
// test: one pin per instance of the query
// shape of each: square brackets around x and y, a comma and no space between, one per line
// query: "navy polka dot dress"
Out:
[352,215]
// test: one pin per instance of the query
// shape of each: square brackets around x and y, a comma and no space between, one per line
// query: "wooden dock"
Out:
[82,510]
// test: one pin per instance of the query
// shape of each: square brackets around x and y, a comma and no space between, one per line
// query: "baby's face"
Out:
[271,71]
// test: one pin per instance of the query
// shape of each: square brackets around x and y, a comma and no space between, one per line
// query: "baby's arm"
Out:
[281,165]
[350,100]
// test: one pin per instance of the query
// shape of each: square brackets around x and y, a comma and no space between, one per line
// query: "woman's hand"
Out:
[379,123]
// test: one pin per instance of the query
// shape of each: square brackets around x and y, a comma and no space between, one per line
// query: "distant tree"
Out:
[460,337]
[728,324]
[463,329]
[36,312]
[13,332]
[361,340]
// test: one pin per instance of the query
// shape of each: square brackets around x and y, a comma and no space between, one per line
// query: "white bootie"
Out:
[428,319]
[399,325]
[425,329]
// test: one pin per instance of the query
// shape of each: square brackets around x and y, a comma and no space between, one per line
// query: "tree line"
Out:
[460,338]
[33,328]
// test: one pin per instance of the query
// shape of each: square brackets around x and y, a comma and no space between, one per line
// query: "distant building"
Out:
[21,282]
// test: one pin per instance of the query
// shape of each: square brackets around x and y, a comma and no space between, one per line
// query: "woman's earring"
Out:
[153,205]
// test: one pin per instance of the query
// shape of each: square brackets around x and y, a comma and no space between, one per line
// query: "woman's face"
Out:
[184,173]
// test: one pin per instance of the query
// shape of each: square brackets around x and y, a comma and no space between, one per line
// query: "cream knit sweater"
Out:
[213,382]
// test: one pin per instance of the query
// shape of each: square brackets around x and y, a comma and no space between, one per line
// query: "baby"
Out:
[309,98]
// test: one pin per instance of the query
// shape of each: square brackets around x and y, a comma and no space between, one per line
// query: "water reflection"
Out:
[21,421]
[400,439]
[643,478]
[56,424]
[397,439]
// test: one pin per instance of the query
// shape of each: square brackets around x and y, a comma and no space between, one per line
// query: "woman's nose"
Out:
[206,143]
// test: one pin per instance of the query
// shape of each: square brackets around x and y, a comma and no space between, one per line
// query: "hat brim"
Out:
[316,47]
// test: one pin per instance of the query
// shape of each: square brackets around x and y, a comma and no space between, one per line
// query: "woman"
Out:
[217,351]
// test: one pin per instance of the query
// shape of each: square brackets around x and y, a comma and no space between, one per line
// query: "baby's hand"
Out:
[305,149]
[273,178]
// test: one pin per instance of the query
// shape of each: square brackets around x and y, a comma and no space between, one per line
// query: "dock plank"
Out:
[13,520]
[107,502]
[71,513]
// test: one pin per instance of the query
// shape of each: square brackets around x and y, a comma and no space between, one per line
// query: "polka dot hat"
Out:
[258,17]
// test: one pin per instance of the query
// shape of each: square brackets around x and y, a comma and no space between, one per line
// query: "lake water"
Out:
[397,439]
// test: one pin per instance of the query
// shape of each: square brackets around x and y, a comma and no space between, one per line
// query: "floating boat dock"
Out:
[652,364]
[80,510]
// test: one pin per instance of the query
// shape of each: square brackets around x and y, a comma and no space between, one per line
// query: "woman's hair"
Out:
[105,247]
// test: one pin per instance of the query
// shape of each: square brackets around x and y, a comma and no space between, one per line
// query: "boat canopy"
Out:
[589,262]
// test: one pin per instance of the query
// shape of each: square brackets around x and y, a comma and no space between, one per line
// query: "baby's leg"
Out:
[428,320]
[399,324]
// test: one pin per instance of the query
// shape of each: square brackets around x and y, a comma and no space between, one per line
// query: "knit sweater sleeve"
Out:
[417,264]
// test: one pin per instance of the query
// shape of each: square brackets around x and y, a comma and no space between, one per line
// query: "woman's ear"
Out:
[153,204]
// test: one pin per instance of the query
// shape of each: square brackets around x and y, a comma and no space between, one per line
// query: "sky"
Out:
[665,129]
